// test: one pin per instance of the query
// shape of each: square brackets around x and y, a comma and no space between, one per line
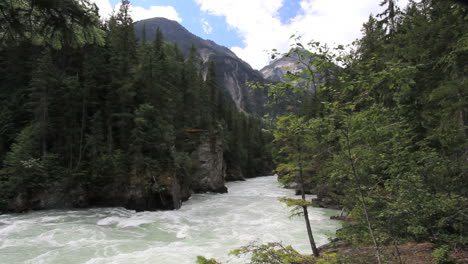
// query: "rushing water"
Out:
[208,224]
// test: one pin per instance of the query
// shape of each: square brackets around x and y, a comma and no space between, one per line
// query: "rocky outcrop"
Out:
[140,189]
[209,166]
[164,192]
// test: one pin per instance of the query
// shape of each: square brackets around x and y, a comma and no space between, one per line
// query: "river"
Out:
[210,225]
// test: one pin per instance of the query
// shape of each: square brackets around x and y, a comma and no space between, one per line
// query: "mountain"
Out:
[233,74]
[295,62]
[277,70]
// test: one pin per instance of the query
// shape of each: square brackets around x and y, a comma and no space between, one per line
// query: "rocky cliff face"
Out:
[233,73]
[209,168]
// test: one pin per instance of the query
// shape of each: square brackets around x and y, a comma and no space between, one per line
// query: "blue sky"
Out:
[251,28]
[289,10]
[191,16]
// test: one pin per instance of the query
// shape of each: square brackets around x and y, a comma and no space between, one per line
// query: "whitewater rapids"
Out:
[209,225]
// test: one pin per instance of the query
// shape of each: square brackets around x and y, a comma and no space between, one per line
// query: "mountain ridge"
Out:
[233,74]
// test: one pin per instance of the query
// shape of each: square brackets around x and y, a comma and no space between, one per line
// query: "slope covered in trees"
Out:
[88,117]
[232,73]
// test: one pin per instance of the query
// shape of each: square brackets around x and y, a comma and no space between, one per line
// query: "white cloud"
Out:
[259,25]
[207,28]
[105,8]
[138,12]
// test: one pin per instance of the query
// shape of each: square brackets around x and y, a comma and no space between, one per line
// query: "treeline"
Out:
[82,104]
[385,132]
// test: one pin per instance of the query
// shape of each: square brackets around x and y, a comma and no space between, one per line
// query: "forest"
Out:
[384,132]
[84,103]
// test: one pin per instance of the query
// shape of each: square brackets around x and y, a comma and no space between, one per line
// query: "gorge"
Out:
[124,141]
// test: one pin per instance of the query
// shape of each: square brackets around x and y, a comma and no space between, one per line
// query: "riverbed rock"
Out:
[18,205]
[291,186]
[163,192]
[325,197]
[234,174]
[60,196]
[56,196]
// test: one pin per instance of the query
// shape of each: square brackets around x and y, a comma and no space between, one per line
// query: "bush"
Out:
[203,260]
[441,255]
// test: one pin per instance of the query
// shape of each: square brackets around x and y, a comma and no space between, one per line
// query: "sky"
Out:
[252,28]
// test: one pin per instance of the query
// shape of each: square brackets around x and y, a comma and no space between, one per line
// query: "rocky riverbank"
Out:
[207,171]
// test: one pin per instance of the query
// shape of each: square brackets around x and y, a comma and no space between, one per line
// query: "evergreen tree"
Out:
[213,89]
[43,82]
[91,112]
[122,44]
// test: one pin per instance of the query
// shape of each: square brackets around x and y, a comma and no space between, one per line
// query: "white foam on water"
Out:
[8,228]
[183,232]
[210,225]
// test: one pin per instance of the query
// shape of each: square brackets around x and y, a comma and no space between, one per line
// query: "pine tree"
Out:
[191,94]
[122,43]
[390,15]
[42,84]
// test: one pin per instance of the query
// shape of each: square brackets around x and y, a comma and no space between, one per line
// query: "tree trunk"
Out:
[83,124]
[309,232]
[304,208]
[45,115]
[109,135]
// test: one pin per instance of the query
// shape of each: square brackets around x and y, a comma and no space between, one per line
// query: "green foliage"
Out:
[25,171]
[276,253]
[294,202]
[272,253]
[203,260]
[287,172]
[48,22]
[297,205]
[441,255]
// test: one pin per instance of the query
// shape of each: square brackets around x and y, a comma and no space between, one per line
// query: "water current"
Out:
[210,225]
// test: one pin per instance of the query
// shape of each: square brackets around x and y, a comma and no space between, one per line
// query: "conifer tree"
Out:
[122,43]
